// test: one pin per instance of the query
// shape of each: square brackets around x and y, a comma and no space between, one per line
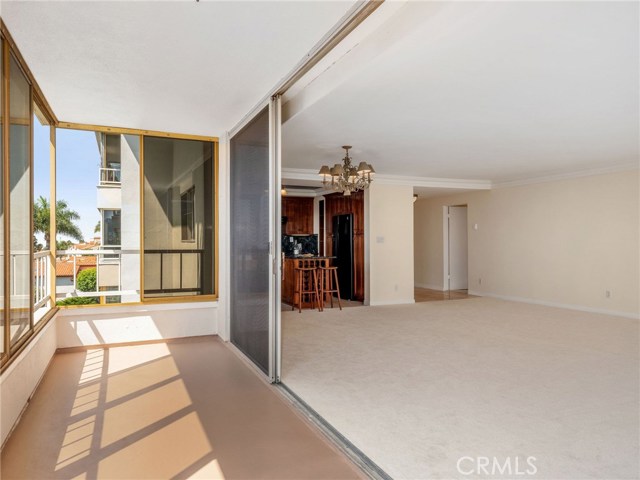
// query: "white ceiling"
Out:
[181,66]
[478,90]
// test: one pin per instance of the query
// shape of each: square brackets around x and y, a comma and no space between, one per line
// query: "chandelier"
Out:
[347,178]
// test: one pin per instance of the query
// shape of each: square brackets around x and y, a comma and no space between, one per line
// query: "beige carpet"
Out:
[418,386]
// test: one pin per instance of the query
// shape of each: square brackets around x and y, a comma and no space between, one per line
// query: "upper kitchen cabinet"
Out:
[297,215]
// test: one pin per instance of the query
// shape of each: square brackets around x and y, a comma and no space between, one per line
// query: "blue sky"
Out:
[78,161]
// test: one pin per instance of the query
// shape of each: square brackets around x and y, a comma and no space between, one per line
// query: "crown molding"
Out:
[625,167]
[464,184]
[312,175]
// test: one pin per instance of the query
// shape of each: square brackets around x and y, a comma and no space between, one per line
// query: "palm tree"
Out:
[65,220]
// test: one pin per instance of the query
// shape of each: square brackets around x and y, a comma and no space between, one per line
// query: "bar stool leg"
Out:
[315,287]
[300,288]
[335,275]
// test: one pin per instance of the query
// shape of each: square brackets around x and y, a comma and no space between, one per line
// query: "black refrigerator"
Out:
[343,251]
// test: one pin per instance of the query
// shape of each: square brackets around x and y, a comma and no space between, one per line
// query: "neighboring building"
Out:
[118,200]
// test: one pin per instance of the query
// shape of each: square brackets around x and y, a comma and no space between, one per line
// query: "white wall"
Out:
[389,217]
[130,215]
[20,379]
[79,327]
[562,243]
[109,197]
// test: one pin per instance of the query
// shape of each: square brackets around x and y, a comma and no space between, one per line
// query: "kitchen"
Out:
[322,247]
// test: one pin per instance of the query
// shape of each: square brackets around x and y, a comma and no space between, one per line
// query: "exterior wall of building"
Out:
[109,197]
[130,216]
[163,224]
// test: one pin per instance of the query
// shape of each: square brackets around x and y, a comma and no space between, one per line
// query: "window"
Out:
[2,205]
[187,215]
[20,241]
[102,216]
[179,229]
[111,228]
[25,135]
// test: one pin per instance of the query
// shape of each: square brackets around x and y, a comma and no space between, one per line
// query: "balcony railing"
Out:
[177,284]
[109,176]
[103,258]
[41,279]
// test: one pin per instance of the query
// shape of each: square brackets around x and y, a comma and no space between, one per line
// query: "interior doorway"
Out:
[456,271]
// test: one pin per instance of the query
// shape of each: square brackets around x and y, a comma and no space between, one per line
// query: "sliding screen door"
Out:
[254,317]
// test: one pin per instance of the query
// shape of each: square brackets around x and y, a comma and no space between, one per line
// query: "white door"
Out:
[458,270]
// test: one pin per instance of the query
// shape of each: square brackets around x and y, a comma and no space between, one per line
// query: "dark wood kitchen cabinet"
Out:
[299,214]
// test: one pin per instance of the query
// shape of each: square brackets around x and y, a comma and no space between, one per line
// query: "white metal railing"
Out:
[41,279]
[109,176]
[103,257]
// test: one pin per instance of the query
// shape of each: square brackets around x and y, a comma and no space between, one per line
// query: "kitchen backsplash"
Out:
[308,244]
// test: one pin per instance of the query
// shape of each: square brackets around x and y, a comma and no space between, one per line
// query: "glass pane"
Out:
[111,228]
[20,201]
[98,217]
[41,214]
[176,171]
[1,206]
[250,240]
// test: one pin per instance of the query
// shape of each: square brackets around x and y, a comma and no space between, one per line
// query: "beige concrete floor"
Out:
[417,387]
[188,409]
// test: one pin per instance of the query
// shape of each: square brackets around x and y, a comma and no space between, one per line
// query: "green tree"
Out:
[86,281]
[63,245]
[97,228]
[65,220]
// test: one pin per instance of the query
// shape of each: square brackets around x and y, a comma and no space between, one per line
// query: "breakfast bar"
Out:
[289,294]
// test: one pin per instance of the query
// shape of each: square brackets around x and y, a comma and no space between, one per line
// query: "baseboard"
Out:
[580,308]
[391,302]
[430,286]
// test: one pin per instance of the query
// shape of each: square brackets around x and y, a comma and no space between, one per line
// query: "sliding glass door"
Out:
[254,265]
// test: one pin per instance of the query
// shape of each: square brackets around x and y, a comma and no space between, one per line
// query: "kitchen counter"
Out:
[288,267]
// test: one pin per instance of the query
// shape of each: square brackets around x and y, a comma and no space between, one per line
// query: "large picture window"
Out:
[179,232]
[25,261]
[2,205]
[99,226]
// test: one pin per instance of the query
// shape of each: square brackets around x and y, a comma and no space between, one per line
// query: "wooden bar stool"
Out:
[329,284]
[305,283]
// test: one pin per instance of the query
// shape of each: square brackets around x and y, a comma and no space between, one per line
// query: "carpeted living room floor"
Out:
[416,387]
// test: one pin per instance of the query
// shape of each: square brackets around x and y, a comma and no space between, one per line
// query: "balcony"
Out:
[109,177]
[107,263]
